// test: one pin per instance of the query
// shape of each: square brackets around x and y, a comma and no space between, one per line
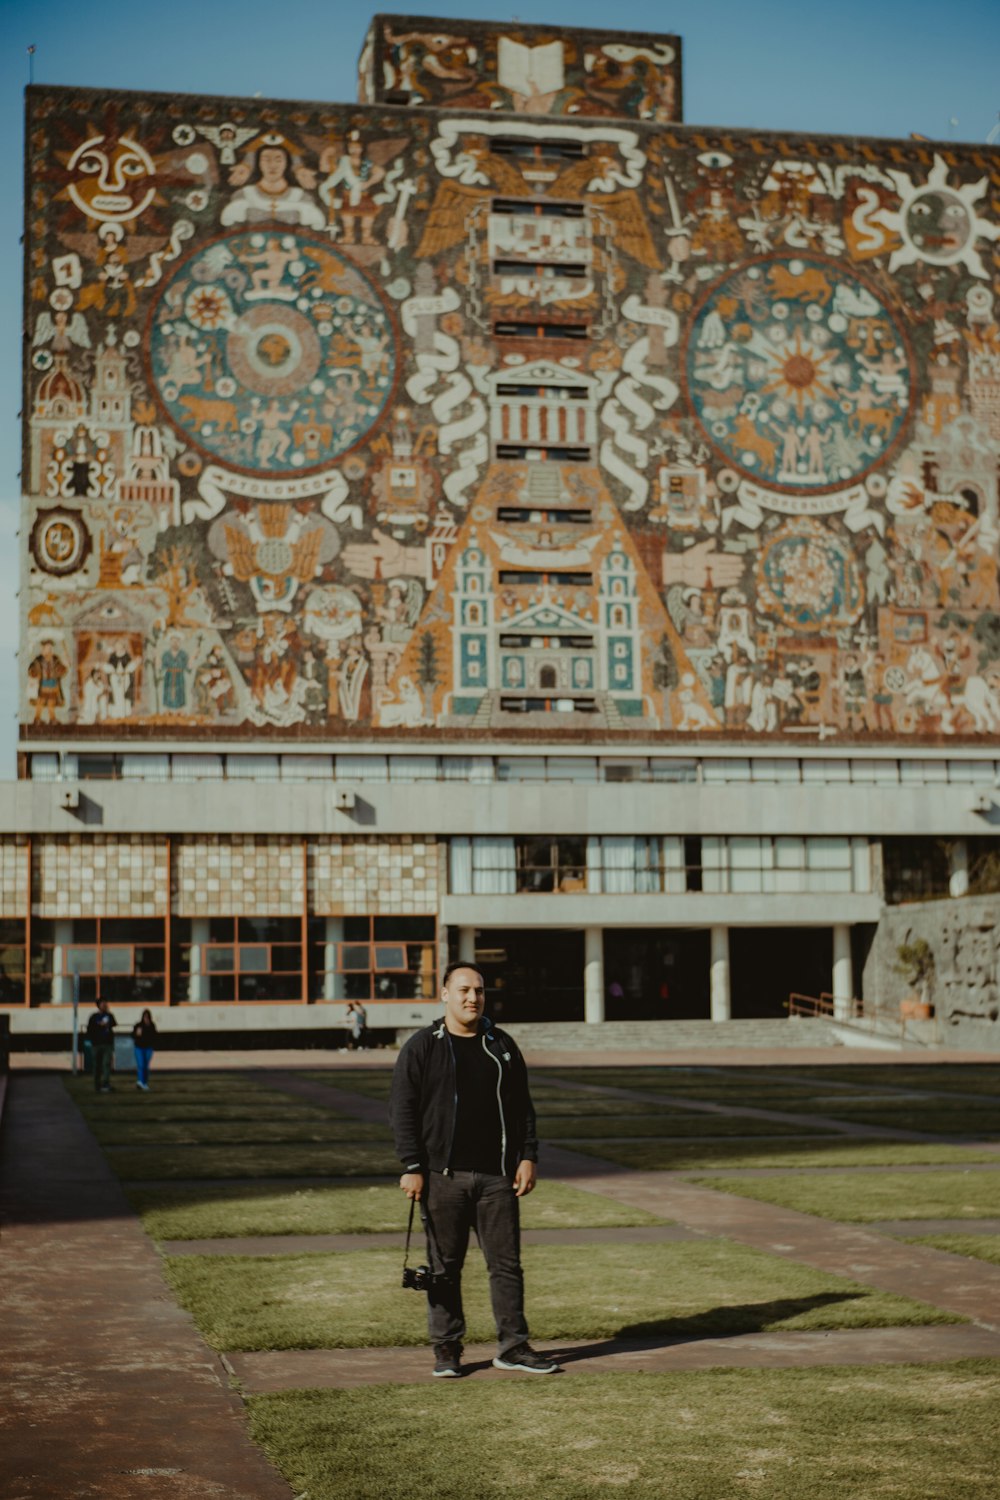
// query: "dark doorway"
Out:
[766,964]
[531,975]
[656,974]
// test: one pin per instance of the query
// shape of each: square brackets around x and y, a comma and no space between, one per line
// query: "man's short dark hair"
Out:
[462,963]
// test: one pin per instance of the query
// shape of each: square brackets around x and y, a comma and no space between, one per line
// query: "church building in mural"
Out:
[544,496]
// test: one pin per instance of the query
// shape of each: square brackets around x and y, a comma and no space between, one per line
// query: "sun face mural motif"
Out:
[798,374]
[111,179]
[271,352]
[938,221]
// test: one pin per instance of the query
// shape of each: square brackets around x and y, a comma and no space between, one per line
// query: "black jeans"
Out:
[450,1207]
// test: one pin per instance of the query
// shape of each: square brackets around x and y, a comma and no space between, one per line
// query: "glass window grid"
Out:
[584,770]
[141,965]
[768,864]
[251,972]
[416,977]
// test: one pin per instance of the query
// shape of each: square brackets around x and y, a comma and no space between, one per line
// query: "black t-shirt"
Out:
[478,1136]
[101,1028]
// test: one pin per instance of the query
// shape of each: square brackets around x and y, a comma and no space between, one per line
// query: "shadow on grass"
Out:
[715,1322]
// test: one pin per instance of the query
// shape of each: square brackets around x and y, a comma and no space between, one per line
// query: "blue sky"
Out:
[866,67]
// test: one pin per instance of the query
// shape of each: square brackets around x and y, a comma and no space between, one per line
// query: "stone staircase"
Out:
[669,1036]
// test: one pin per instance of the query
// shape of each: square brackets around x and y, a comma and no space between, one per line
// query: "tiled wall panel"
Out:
[82,876]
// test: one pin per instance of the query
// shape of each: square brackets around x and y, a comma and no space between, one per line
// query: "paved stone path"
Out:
[110,1390]
[342,1368]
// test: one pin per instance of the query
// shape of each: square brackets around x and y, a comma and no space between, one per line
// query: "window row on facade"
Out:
[149,961]
[485,769]
[651,864]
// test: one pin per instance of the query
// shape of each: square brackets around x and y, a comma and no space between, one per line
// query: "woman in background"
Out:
[144,1041]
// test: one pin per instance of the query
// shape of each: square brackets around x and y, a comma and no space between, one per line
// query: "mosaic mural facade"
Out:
[527,412]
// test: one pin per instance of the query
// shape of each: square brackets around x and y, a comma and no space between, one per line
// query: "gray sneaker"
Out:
[448,1359]
[523,1357]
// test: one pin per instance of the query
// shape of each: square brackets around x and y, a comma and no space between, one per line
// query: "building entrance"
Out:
[767,964]
[656,974]
[531,974]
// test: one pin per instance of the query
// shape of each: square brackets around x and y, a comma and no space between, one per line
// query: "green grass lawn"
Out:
[558,1102]
[862,1197]
[236,1132]
[366,1159]
[973,1078]
[154,1107]
[373,1082]
[353,1299]
[224,1212]
[978,1246]
[651,1156]
[917,1432]
[944,1117]
[667,1122]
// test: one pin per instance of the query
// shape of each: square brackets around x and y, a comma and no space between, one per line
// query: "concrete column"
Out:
[843,972]
[593,975]
[958,882]
[722,1009]
[197,981]
[467,945]
[333,983]
[62,983]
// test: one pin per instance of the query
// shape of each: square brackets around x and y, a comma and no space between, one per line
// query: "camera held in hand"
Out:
[417,1278]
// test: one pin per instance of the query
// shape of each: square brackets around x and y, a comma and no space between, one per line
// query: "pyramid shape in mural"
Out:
[541,609]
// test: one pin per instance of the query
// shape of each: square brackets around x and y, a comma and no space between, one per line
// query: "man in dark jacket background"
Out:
[101,1036]
[464,1126]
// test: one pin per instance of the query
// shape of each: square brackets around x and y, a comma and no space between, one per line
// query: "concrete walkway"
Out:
[335,1369]
[110,1390]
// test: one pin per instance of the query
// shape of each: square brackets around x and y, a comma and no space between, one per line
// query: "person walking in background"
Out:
[101,1036]
[358,1018]
[464,1128]
[144,1042]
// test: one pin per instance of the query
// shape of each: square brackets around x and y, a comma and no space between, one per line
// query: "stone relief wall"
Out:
[353,420]
[964,937]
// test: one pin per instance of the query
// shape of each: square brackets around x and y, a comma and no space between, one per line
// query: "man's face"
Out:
[464,998]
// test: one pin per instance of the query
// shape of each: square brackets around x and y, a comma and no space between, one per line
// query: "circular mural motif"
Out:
[271,352]
[809,578]
[798,374]
[60,543]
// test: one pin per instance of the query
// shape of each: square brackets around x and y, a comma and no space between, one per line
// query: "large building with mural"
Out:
[495,516]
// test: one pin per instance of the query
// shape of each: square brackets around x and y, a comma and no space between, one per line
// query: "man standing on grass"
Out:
[101,1036]
[465,1132]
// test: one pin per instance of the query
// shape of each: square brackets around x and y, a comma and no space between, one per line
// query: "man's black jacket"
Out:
[423,1103]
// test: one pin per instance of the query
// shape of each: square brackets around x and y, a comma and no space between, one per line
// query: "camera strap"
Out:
[409,1231]
[431,1237]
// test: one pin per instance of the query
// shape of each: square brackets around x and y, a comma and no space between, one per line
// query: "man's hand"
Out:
[524,1179]
[412,1184]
